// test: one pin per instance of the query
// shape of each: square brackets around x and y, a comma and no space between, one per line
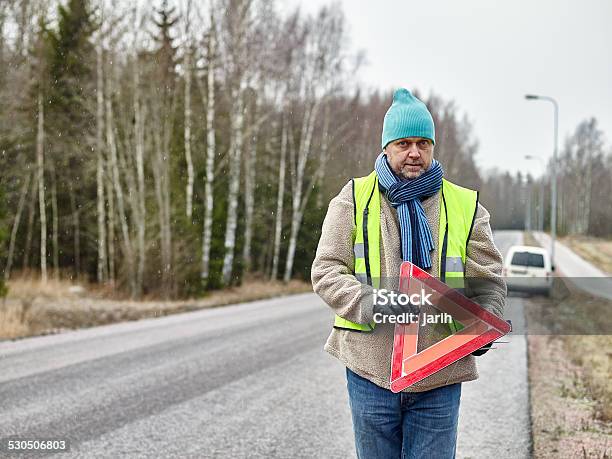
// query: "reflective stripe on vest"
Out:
[458,206]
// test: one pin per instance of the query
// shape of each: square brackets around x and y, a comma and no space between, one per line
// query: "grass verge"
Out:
[570,358]
[35,309]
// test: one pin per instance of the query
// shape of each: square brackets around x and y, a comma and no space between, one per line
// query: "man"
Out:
[403,211]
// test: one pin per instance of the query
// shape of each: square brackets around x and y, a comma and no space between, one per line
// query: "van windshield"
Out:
[535,260]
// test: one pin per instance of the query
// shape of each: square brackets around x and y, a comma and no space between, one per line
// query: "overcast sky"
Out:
[486,55]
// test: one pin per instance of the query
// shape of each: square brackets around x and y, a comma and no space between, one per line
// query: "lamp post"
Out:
[553,186]
[541,198]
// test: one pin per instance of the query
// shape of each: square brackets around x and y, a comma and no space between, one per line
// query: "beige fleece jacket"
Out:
[369,354]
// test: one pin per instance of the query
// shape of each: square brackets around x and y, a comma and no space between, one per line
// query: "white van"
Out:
[528,269]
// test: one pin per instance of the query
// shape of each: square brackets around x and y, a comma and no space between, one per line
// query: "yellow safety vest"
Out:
[458,207]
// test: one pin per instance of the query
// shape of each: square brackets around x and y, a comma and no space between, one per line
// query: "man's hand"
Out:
[482,350]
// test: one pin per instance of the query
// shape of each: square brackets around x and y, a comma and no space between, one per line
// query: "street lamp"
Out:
[541,200]
[553,186]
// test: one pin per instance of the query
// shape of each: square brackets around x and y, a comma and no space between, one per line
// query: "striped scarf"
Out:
[405,196]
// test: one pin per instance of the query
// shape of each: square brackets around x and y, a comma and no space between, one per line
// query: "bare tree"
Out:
[187,130]
[235,160]
[298,160]
[30,228]
[102,271]
[111,223]
[236,56]
[162,106]
[210,149]
[55,224]
[320,71]
[249,188]
[40,162]
[583,149]
[11,249]
[118,189]
[76,229]
[140,209]
[280,196]
[161,139]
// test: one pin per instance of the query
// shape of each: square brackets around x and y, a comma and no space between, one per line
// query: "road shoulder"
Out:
[569,368]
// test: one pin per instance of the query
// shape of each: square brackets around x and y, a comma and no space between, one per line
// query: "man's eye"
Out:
[423,143]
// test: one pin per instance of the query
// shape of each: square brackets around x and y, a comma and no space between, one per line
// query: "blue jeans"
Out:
[404,425]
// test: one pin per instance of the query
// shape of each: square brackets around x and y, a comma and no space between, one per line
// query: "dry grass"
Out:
[583,321]
[33,308]
[29,285]
[562,410]
[595,250]
[13,319]
[24,290]
[593,354]
[570,356]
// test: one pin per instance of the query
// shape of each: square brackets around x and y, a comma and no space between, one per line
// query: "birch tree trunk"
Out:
[168,279]
[111,224]
[55,237]
[116,180]
[239,71]
[249,193]
[164,176]
[235,156]
[40,162]
[30,230]
[187,130]
[162,194]
[588,179]
[280,196]
[298,201]
[324,153]
[101,209]
[140,218]
[11,249]
[157,174]
[561,209]
[76,231]
[210,154]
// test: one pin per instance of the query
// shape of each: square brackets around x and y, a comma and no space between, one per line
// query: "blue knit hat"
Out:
[407,117]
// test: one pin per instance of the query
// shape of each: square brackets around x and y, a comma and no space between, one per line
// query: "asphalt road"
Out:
[248,380]
[494,416]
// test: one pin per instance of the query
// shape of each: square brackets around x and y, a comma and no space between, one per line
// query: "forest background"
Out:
[177,147]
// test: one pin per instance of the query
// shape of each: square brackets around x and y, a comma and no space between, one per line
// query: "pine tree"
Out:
[69,121]
[70,54]
[164,81]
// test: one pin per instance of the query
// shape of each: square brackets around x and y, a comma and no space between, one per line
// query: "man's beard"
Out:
[411,175]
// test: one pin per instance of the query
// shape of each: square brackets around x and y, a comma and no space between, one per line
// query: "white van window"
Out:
[535,260]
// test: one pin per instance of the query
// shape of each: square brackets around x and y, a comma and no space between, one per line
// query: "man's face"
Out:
[410,157]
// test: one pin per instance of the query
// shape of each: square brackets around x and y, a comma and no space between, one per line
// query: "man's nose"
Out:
[413,150]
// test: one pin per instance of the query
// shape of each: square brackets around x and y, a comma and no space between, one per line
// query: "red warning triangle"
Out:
[480,327]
